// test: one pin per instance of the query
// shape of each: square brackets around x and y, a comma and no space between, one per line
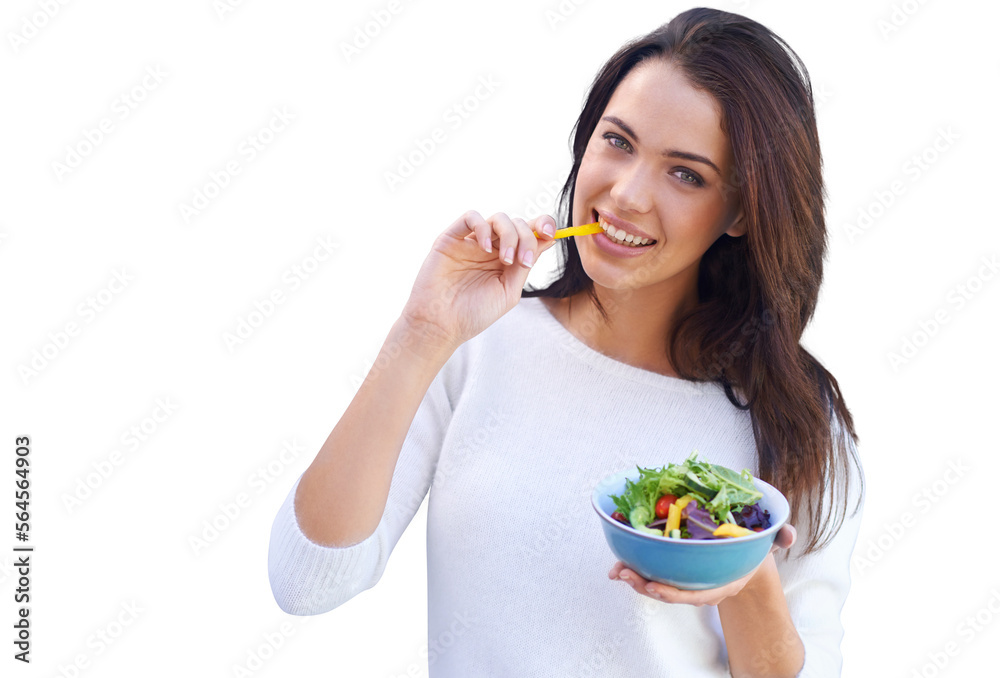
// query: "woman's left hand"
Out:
[670,594]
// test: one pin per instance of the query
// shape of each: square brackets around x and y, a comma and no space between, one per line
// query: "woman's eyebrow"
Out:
[670,152]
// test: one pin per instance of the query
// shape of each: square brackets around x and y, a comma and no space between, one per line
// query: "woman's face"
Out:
[654,167]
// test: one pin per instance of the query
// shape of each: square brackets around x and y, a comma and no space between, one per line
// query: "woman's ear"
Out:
[739,226]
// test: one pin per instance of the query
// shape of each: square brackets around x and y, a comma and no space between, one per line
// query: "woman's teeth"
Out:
[621,237]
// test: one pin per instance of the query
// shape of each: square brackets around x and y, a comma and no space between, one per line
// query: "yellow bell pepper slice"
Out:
[684,501]
[731,530]
[673,518]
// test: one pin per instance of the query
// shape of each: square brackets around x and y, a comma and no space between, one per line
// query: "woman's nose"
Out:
[631,190]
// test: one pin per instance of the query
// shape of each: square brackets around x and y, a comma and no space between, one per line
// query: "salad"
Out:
[693,500]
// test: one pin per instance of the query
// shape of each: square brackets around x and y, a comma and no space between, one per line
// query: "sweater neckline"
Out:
[607,363]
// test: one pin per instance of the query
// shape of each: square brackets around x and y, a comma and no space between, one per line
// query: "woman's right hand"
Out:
[465,283]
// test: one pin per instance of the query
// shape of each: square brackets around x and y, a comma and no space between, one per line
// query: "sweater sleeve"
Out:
[816,586]
[309,578]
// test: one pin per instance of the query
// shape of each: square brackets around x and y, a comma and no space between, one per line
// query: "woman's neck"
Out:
[640,322]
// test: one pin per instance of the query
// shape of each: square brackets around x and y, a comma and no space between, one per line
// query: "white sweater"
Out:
[510,439]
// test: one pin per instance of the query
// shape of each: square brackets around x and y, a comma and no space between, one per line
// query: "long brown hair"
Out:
[756,293]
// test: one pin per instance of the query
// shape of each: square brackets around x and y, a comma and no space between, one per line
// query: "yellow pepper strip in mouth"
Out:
[586,229]
[731,530]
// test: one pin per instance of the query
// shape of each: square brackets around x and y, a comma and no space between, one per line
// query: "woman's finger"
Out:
[544,226]
[672,594]
[633,579]
[505,229]
[785,538]
[666,593]
[527,243]
[472,222]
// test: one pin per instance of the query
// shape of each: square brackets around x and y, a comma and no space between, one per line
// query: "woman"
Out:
[698,142]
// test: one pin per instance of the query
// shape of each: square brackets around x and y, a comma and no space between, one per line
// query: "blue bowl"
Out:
[692,564]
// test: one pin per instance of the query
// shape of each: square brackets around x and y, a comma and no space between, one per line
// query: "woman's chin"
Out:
[615,274]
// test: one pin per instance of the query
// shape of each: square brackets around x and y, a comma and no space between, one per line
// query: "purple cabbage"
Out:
[700,523]
[752,516]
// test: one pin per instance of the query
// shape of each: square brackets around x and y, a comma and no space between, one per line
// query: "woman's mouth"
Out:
[620,237]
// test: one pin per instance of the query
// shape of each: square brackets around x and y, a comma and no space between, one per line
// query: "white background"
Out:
[920,568]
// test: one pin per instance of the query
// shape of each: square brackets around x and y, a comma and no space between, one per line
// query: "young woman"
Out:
[677,328]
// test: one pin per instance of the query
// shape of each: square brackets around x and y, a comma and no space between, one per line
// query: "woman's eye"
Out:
[614,140]
[690,177]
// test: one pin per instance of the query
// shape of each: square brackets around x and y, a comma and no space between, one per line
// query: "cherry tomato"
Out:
[757,529]
[617,515]
[663,505]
